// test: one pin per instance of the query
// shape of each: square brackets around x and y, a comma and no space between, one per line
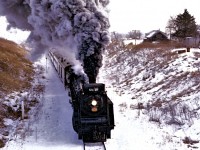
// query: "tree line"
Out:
[134,34]
[180,26]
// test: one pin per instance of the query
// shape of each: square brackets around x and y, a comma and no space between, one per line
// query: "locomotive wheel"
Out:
[87,138]
[75,121]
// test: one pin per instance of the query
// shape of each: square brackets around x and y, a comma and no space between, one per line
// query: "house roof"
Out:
[153,32]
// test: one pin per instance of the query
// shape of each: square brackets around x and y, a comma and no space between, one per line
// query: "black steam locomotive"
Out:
[93,115]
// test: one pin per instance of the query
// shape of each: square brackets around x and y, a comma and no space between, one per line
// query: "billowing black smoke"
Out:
[63,24]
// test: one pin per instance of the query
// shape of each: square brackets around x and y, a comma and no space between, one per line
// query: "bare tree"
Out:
[171,26]
[116,36]
[134,34]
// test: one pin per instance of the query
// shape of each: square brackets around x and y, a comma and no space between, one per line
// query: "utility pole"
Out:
[134,35]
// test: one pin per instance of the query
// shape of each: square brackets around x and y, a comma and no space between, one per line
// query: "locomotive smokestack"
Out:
[61,24]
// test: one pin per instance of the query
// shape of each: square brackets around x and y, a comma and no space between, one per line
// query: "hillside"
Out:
[158,86]
[156,76]
[16,70]
[16,81]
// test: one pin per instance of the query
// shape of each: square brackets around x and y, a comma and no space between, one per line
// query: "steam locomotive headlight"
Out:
[94,102]
[94,105]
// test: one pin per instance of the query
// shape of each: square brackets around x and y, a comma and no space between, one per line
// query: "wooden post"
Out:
[22,107]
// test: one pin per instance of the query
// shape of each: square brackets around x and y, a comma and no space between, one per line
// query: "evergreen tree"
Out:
[185,25]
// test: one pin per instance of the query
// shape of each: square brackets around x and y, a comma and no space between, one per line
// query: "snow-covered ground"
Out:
[133,41]
[137,83]
[51,128]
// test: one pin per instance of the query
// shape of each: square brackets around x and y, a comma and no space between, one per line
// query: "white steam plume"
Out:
[58,23]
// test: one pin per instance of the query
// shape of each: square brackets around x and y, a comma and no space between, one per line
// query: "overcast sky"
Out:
[13,34]
[147,15]
[143,15]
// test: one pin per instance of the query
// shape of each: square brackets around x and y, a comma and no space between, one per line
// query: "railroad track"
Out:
[94,146]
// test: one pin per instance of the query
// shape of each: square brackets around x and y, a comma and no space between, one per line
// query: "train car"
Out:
[62,67]
[93,115]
